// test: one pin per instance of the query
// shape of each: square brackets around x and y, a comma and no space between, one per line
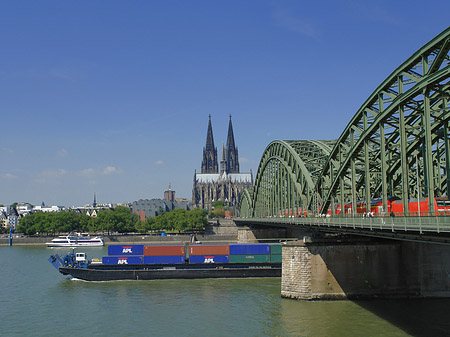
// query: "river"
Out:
[35,300]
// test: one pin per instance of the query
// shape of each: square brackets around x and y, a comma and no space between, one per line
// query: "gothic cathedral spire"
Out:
[209,163]
[232,157]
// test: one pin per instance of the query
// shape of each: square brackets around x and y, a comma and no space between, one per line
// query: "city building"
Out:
[169,194]
[44,208]
[145,208]
[24,208]
[3,219]
[9,217]
[227,184]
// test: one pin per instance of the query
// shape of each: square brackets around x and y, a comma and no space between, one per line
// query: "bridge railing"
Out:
[434,224]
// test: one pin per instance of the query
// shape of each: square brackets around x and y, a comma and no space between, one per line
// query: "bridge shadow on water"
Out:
[416,317]
[388,279]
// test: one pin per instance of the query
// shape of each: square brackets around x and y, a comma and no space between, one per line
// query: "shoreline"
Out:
[125,239]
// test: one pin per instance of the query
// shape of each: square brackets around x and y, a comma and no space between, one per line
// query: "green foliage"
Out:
[217,213]
[178,220]
[218,204]
[121,220]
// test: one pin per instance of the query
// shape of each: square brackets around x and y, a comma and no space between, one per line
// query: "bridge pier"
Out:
[346,270]
[254,233]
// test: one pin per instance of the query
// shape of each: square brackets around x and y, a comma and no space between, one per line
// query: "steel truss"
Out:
[396,145]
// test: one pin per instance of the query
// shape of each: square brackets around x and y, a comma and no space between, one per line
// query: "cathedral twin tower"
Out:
[230,160]
[211,185]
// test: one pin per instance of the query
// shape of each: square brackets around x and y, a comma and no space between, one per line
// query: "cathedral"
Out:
[227,184]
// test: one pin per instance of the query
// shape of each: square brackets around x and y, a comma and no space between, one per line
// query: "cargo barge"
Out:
[138,262]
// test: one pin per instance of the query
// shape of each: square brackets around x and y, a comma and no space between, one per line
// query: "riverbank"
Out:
[19,240]
[217,231]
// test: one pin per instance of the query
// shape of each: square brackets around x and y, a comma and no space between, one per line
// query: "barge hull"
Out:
[91,274]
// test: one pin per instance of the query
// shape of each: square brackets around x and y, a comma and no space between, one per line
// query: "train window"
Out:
[443,202]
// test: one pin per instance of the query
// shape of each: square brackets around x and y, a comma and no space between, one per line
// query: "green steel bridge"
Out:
[395,146]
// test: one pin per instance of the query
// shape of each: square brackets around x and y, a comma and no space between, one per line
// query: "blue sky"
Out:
[113,97]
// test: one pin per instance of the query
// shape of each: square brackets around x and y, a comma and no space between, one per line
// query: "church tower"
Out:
[209,163]
[210,185]
[231,152]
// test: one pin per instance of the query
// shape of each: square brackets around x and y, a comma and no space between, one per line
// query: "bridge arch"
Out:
[287,175]
[396,145]
[397,142]
[245,204]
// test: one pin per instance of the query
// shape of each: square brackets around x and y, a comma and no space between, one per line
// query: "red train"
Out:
[395,205]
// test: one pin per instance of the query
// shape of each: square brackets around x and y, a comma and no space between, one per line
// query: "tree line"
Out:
[120,219]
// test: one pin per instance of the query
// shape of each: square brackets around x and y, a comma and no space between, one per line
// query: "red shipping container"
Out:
[164,250]
[209,250]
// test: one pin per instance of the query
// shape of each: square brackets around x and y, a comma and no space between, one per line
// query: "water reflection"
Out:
[418,317]
[333,318]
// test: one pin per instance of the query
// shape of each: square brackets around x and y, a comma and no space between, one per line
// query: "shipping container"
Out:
[164,250]
[209,259]
[276,258]
[122,259]
[164,259]
[275,249]
[126,250]
[256,258]
[209,250]
[249,248]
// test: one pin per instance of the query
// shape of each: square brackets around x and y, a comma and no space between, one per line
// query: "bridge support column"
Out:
[253,234]
[330,271]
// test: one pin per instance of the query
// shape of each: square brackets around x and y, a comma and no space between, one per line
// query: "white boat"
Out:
[76,240]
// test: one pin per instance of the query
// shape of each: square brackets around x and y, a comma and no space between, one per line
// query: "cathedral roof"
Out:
[215,177]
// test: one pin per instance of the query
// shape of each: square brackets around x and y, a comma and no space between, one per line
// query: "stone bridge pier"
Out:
[255,233]
[375,269]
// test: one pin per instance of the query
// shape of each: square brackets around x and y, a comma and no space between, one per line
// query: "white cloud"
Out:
[159,162]
[90,172]
[9,176]
[62,153]
[53,173]
[47,175]
[112,170]
[87,172]
[7,150]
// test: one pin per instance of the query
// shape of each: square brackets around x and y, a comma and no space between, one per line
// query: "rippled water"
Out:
[38,301]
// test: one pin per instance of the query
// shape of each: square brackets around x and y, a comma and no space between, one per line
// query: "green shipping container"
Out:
[275,249]
[249,258]
[275,258]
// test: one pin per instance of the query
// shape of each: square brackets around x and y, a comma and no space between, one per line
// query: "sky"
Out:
[113,97]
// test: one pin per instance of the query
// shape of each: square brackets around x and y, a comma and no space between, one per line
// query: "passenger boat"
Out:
[76,240]
[138,262]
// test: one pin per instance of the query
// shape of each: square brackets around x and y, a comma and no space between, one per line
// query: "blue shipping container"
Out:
[126,250]
[209,259]
[164,259]
[249,249]
[122,260]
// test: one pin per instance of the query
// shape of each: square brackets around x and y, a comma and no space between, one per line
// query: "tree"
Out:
[178,220]
[217,213]
[218,204]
